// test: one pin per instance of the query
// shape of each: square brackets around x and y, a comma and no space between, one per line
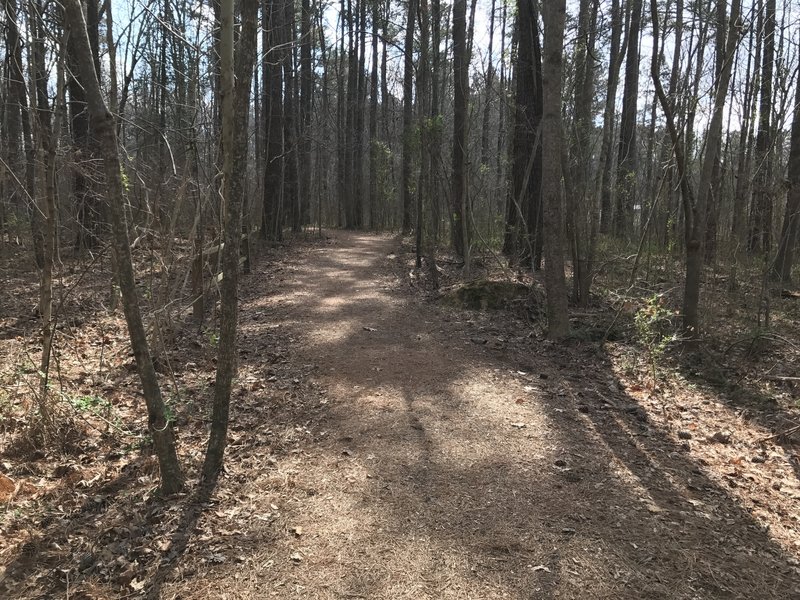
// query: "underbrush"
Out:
[750,337]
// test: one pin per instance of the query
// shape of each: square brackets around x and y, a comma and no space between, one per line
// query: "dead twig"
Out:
[780,434]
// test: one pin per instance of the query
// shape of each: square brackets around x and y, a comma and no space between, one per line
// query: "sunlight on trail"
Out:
[439,471]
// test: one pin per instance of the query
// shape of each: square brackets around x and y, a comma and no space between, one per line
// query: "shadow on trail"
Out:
[747,400]
[585,499]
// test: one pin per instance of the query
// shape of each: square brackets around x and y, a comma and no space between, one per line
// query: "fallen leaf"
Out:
[7,487]
[137,585]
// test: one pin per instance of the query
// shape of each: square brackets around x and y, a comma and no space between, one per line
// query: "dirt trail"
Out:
[420,464]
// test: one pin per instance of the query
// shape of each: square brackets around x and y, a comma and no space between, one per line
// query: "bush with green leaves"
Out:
[655,329]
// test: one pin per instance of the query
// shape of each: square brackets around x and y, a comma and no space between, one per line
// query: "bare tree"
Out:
[694,206]
[408,113]
[787,244]
[554,16]
[460,188]
[105,131]
[236,100]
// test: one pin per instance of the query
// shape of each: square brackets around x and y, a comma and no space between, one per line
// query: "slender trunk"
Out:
[459,202]
[435,141]
[787,244]
[627,162]
[272,78]
[580,217]
[488,92]
[741,192]
[235,103]
[360,110]
[501,111]
[290,163]
[408,114]
[554,13]
[373,121]
[605,176]
[341,121]
[523,233]
[103,126]
[761,225]
[424,100]
[48,148]
[322,153]
[695,206]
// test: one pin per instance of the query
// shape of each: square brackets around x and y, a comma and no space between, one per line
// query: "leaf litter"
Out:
[449,505]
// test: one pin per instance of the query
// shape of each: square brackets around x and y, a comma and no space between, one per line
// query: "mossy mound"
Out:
[485,295]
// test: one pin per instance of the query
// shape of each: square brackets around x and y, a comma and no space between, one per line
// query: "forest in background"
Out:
[573,136]
[621,178]
[665,126]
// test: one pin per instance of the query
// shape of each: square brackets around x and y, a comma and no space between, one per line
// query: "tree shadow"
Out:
[488,472]
[750,401]
[607,503]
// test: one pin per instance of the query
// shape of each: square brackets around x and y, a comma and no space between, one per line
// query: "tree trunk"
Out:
[694,208]
[488,92]
[19,119]
[459,203]
[523,230]
[45,192]
[358,124]
[408,114]
[272,78]
[580,217]
[743,179]
[306,104]
[89,205]
[627,162]
[373,121]
[423,105]
[105,131]
[235,103]
[761,221]
[435,140]
[787,244]
[290,164]
[554,13]
[605,176]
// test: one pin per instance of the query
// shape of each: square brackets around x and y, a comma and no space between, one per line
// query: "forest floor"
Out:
[386,446]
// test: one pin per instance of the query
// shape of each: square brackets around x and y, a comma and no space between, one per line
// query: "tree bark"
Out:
[423,105]
[606,173]
[787,244]
[272,83]
[761,220]
[554,13]
[87,202]
[105,131]
[523,232]
[459,203]
[580,210]
[694,207]
[306,104]
[236,78]
[627,161]
[290,165]
[373,121]
[408,115]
